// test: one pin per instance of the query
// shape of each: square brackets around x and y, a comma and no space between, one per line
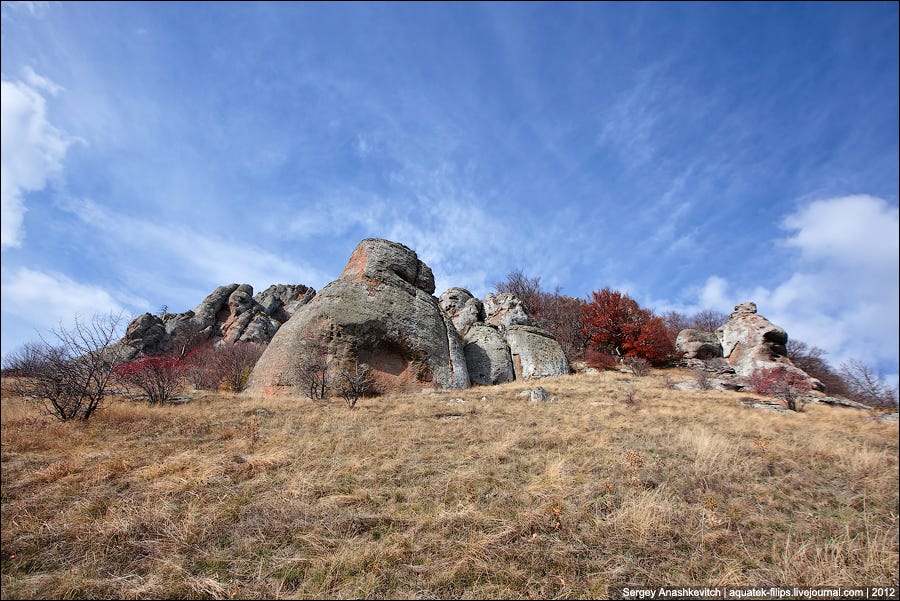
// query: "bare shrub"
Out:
[210,366]
[701,377]
[865,385]
[781,383]
[551,310]
[638,366]
[159,378]
[630,397]
[355,383]
[23,361]
[236,362]
[312,373]
[186,337]
[708,320]
[203,370]
[811,359]
[70,377]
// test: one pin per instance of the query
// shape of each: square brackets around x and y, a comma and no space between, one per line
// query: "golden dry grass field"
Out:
[477,493]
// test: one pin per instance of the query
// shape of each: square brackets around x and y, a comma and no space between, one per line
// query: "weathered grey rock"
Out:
[381,312]
[382,261]
[535,353]
[697,344]
[146,334]
[487,357]
[229,314]
[280,301]
[751,342]
[463,309]
[503,310]
[540,395]
[213,310]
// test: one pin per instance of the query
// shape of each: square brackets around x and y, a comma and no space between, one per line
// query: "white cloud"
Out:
[32,152]
[45,299]
[843,295]
[41,83]
[181,252]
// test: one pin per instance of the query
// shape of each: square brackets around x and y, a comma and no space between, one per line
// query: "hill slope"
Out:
[474,493]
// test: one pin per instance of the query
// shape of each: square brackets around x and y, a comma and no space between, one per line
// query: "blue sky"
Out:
[694,155]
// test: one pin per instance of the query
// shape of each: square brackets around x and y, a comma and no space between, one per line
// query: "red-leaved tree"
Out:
[616,323]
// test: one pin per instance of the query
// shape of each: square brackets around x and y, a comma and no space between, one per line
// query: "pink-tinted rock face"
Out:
[751,342]
[381,312]
[230,314]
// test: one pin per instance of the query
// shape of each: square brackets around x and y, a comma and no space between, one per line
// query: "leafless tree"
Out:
[204,372]
[866,385]
[236,361]
[70,377]
[23,361]
[811,359]
[312,373]
[186,337]
[553,311]
[526,289]
[356,382]
[675,321]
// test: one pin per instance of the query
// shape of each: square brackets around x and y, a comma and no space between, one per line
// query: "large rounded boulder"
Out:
[380,311]
[751,342]
[697,344]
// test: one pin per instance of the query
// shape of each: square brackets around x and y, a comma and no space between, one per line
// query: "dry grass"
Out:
[424,496]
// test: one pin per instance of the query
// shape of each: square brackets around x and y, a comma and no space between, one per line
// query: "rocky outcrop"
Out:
[230,314]
[535,353]
[501,345]
[463,309]
[381,312]
[488,359]
[751,342]
[697,344]
[502,309]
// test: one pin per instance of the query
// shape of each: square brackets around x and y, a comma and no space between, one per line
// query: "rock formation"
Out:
[535,353]
[230,313]
[381,312]
[697,344]
[487,356]
[500,344]
[751,342]
[463,309]
[502,309]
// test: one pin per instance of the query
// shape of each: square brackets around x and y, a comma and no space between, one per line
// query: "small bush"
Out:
[781,383]
[355,383]
[70,378]
[638,366]
[236,362]
[600,360]
[701,377]
[312,372]
[159,378]
[226,365]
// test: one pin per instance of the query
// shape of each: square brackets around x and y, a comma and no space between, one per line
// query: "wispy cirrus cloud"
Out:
[33,149]
[161,252]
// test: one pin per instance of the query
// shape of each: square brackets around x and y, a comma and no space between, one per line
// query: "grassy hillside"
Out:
[477,493]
